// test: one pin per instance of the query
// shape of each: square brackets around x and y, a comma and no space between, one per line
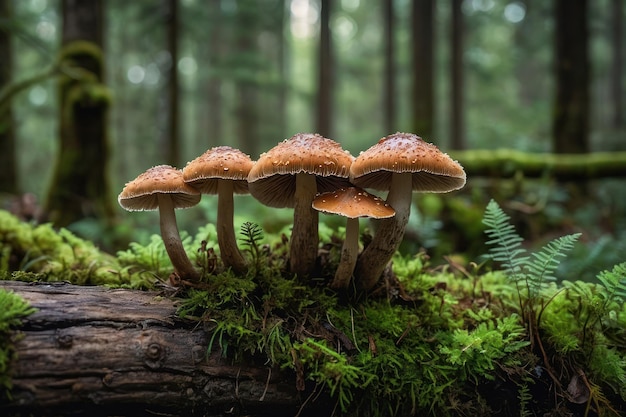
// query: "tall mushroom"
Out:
[223,171]
[352,203]
[290,175]
[400,163]
[162,187]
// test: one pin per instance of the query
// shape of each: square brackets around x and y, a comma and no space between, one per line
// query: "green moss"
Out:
[426,343]
[41,252]
[446,340]
[12,309]
[81,48]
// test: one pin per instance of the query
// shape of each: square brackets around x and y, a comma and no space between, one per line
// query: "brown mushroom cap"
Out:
[353,202]
[219,163]
[433,170]
[272,180]
[142,192]
[162,187]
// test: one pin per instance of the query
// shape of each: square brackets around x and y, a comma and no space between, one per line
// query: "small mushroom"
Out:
[351,202]
[400,163]
[290,175]
[223,171]
[162,187]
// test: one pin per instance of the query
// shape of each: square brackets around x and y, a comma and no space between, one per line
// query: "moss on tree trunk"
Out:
[80,187]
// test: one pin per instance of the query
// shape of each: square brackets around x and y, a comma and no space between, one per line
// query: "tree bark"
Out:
[173,156]
[246,32]
[8,163]
[124,352]
[389,94]
[422,22]
[570,130]
[325,85]
[617,73]
[211,120]
[458,85]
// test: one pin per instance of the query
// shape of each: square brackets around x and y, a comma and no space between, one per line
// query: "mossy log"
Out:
[506,163]
[124,352]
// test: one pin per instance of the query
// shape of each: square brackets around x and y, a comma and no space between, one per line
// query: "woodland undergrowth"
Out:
[500,336]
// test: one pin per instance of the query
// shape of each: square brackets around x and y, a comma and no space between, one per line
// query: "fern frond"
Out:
[540,269]
[506,243]
[525,399]
[614,283]
[252,234]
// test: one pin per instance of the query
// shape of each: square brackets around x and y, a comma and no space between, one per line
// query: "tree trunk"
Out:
[124,352]
[617,76]
[8,163]
[570,130]
[212,120]
[423,21]
[173,139]
[325,86]
[80,187]
[273,93]
[283,70]
[458,125]
[246,32]
[389,100]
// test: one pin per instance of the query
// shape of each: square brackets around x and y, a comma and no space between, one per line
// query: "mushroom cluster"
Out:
[311,174]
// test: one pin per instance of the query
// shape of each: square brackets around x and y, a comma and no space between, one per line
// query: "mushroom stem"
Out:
[349,253]
[229,252]
[304,234]
[171,239]
[389,233]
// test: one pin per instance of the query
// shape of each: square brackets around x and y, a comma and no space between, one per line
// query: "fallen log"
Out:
[506,163]
[99,351]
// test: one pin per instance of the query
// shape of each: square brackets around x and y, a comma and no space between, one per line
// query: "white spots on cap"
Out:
[432,169]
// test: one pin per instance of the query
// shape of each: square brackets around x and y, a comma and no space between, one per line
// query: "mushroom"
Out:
[351,202]
[400,163]
[162,187]
[223,171]
[290,175]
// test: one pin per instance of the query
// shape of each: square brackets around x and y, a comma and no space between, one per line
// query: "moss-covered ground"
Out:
[461,339]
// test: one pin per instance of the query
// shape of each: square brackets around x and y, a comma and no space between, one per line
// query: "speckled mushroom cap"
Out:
[433,170]
[142,192]
[272,179]
[353,202]
[219,163]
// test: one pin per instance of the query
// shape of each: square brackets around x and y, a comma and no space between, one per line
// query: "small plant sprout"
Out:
[223,171]
[352,203]
[290,175]
[162,187]
[400,163]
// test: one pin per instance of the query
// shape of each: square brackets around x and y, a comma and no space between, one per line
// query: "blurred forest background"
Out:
[94,92]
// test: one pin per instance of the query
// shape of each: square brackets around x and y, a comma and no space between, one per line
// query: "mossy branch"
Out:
[63,65]
[507,163]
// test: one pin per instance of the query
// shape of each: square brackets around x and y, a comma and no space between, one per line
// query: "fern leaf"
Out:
[506,243]
[541,267]
[614,282]
[251,234]
[580,289]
